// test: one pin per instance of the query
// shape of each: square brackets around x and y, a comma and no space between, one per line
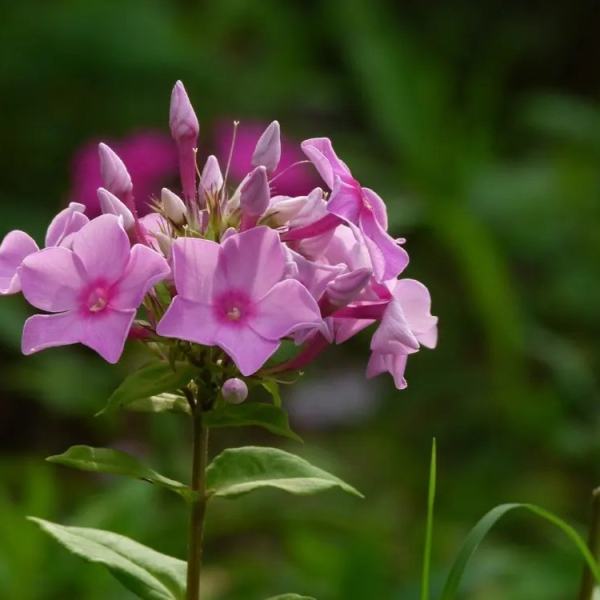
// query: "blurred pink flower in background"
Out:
[294,182]
[150,157]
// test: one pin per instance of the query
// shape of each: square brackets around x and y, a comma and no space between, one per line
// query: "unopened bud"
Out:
[182,118]
[345,288]
[114,173]
[211,180]
[111,205]
[173,206]
[234,391]
[268,148]
[254,193]
[165,243]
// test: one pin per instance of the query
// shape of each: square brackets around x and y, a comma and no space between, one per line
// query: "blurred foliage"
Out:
[479,123]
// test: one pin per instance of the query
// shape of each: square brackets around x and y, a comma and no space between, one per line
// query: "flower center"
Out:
[234,313]
[97,299]
[233,307]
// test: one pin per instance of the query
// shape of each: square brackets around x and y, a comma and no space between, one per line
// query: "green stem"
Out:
[588,582]
[196,529]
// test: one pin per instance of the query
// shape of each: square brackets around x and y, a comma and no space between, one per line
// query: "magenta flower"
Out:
[93,289]
[151,160]
[18,244]
[358,205]
[233,296]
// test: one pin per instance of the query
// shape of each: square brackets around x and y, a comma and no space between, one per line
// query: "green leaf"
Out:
[147,573]
[238,471]
[161,403]
[291,597]
[115,462]
[268,416]
[429,526]
[273,388]
[151,380]
[481,529]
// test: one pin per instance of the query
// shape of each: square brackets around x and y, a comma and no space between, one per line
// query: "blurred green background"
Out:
[479,123]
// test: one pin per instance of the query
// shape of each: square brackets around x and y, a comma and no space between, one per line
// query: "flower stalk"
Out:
[198,507]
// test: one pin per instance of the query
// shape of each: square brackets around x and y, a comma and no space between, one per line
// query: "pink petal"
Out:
[314,276]
[102,246]
[189,320]
[347,328]
[321,153]
[377,206]
[394,329]
[387,257]
[145,269]
[416,305]
[252,262]
[66,222]
[395,364]
[195,265]
[48,331]
[106,332]
[288,307]
[248,350]
[15,246]
[51,279]
[346,201]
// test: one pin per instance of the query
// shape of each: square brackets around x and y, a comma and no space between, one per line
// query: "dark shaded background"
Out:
[479,123]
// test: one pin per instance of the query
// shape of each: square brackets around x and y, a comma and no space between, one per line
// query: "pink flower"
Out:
[358,205]
[233,296]
[18,244]
[407,324]
[93,289]
[151,160]
[293,181]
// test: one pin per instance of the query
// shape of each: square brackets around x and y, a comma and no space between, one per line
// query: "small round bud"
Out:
[234,391]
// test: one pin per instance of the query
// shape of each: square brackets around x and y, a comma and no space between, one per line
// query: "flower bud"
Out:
[211,180]
[254,194]
[111,205]
[345,288]
[234,391]
[268,148]
[114,174]
[182,118]
[173,206]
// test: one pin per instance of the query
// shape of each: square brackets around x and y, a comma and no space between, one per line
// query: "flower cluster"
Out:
[220,277]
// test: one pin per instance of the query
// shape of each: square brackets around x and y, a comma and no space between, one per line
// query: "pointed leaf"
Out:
[161,403]
[151,380]
[116,462]
[268,416]
[429,526]
[147,573]
[238,471]
[481,529]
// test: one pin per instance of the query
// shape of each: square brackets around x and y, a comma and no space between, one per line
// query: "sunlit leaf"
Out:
[161,403]
[238,471]
[147,573]
[151,380]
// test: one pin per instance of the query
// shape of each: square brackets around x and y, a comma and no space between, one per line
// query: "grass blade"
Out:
[429,525]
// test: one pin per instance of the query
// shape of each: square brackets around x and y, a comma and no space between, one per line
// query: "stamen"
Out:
[234,314]
[229,157]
